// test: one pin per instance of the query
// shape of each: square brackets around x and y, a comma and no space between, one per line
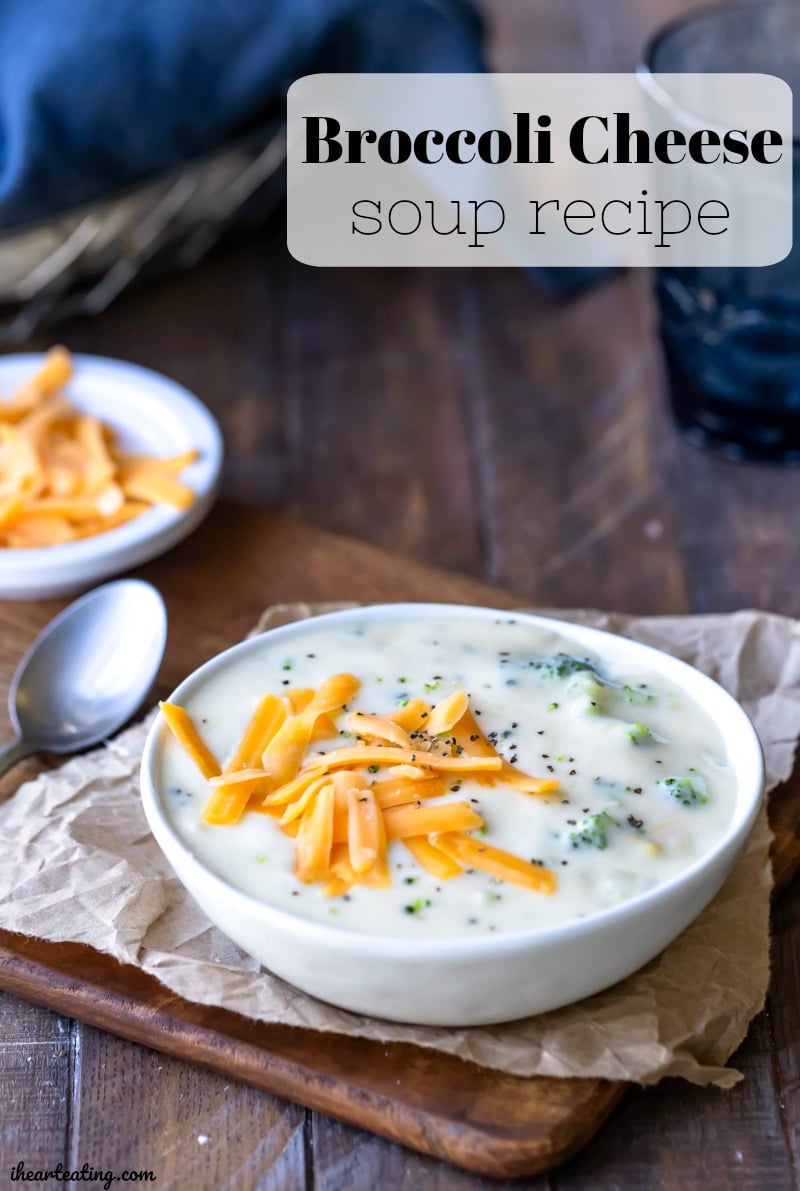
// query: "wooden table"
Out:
[468,421]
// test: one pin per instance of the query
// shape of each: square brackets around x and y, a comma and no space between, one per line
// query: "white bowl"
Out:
[487,979]
[152,415]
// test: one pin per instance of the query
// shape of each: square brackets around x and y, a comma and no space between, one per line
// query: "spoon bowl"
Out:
[88,671]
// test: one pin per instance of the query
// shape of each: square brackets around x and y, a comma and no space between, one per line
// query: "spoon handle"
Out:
[12,753]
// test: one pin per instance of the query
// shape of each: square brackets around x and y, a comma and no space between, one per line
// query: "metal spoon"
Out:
[87,672]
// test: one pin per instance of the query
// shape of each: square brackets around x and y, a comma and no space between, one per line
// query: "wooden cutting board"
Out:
[215,586]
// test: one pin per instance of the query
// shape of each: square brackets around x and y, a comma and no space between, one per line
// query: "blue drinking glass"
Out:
[731,337]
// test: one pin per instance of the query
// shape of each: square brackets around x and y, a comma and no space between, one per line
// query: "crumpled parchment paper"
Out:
[78,863]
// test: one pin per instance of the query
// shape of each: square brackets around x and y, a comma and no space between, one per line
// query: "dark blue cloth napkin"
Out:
[96,95]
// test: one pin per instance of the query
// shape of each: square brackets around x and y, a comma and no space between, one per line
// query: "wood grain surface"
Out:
[482,1121]
[471,422]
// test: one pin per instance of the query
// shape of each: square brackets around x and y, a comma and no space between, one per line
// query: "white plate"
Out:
[150,414]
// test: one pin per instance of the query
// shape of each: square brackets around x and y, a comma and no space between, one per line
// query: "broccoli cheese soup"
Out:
[442,776]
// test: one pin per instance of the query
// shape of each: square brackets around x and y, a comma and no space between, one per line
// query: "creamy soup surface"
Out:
[645,786]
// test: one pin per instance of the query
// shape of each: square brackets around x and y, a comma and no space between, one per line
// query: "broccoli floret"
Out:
[588,685]
[638,733]
[588,693]
[638,697]
[560,665]
[416,907]
[684,789]
[593,830]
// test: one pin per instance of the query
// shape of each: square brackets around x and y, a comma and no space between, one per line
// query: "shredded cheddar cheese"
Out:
[63,476]
[341,820]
